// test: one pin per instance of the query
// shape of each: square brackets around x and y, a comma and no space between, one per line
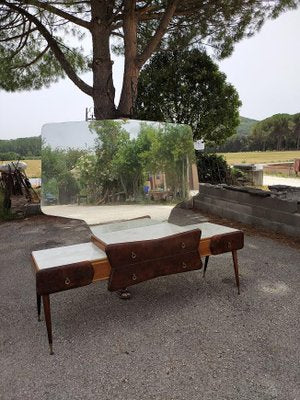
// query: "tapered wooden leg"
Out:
[47,312]
[38,303]
[236,269]
[205,265]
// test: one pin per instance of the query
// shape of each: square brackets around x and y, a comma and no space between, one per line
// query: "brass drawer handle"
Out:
[133,255]
[183,245]
[67,281]
[134,277]
[229,245]
[184,265]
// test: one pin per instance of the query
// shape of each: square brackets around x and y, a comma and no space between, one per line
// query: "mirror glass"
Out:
[115,170]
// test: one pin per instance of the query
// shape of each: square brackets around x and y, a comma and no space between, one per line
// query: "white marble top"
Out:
[59,256]
[159,230]
[123,225]
[65,255]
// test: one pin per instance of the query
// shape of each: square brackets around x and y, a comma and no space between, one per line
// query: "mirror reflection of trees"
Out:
[152,166]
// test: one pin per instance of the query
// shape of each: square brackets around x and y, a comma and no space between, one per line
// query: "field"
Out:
[33,169]
[254,157]
[261,157]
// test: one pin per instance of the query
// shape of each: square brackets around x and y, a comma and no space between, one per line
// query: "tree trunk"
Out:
[103,88]
[298,139]
[131,69]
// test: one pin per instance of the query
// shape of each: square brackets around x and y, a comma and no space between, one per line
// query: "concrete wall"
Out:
[250,206]
[283,168]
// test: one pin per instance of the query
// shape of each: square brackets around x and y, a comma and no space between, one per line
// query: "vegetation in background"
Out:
[278,132]
[187,87]
[245,126]
[239,140]
[213,168]
[120,165]
[57,177]
[21,148]
[41,40]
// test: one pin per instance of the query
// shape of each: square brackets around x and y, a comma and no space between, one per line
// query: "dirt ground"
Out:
[179,337]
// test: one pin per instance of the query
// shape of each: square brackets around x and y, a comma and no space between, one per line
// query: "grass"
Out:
[33,169]
[261,157]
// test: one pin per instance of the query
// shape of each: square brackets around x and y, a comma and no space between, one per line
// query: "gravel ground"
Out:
[278,180]
[179,337]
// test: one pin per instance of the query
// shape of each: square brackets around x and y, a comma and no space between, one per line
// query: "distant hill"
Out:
[245,126]
[238,141]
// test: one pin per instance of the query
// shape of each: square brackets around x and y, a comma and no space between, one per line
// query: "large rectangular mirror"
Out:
[110,170]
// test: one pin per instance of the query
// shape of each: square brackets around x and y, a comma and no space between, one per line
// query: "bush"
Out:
[213,168]
[50,187]
[68,188]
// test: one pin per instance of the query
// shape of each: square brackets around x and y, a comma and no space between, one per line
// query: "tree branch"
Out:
[17,36]
[59,12]
[65,64]
[161,30]
[33,61]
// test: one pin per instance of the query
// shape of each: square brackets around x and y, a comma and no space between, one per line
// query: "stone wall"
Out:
[250,206]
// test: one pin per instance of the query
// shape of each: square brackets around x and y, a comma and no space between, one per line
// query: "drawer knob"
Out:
[183,245]
[133,255]
[184,265]
[134,277]
[229,245]
[67,281]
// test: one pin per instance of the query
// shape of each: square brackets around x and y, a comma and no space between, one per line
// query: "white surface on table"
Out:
[65,255]
[157,231]
[124,225]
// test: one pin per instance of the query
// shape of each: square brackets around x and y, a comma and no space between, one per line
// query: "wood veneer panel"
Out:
[101,270]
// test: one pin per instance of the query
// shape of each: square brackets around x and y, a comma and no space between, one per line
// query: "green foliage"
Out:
[169,149]
[87,172]
[58,175]
[53,163]
[188,88]
[121,164]
[9,156]
[28,61]
[68,188]
[22,148]
[35,39]
[128,168]
[245,126]
[278,132]
[213,168]
[51,187]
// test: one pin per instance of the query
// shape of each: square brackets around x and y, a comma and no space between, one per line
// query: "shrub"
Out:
[213,168]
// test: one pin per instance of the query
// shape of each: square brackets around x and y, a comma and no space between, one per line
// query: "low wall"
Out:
[250,206]
[283,168]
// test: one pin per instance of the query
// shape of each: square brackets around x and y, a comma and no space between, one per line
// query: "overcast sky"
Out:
[264,69]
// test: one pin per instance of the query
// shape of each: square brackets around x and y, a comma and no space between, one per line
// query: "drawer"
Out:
[227,242]
[66,277]
[140,272]
[135,262]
